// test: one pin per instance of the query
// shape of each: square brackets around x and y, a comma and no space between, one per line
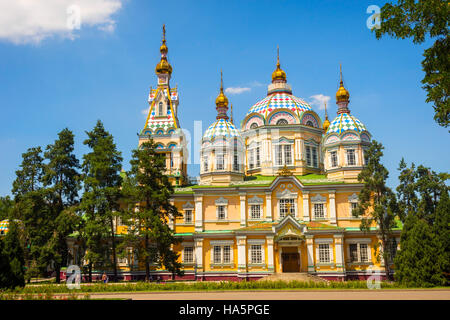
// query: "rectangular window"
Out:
[217,254]
[353,206]
[319,212]
[258,162]
[353,252]
[392,249]
[256,253]
[287,206]
[187,216]
[226,254]
[324,253]
[188,255]
[220,161]
[314,157]
[363,252]
[351,160]
[251,159]
[279,155]
[287,155]
[221,213]
[255,211]
[333,159]
[235,162]
[308,156]
[205,163]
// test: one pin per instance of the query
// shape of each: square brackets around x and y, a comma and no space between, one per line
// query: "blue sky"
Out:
[104,71]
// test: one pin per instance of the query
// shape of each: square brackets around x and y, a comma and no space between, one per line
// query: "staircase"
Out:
[290,276]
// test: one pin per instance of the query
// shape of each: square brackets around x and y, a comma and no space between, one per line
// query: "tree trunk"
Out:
[57,273]
[90,271]
[113,240]
[147,264]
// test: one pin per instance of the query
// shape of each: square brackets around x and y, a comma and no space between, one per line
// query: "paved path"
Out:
[431,294]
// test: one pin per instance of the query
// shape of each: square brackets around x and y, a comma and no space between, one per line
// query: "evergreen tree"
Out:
[102,182]
[61,178]
[421,20]
[12,268]
[424,256]
[6,206]
[377,203]
[32,209]
[148,191]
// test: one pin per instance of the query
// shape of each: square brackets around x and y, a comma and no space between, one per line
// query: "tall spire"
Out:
[326,123]
[342,95]
[278,75]
[231,113]
[221,102]
[163,67]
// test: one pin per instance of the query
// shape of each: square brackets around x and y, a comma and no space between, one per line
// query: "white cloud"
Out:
[237,90]
[257,84]
[31,21]
[319,100]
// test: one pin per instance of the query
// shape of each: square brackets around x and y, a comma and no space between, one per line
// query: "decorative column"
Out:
[269,206]
[270,264]
[198,245]
[242,258]
[242,198]
[310,252]
[198,213]
[332,197]
[306,206]
[339,247]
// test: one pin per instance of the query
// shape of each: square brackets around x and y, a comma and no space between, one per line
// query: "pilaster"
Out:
[310,252]
[306,206]
[269,206]
[332,198]
[198,213]
[243,207]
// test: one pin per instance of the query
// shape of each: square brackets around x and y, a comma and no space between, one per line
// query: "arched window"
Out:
[309,123]
[160,109]
[254,125]
[282,122]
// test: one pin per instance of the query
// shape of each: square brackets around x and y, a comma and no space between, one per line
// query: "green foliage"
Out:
[377,202]
[147,192]
[100,201]
[6,207]
[424,256]
[420,20]
[12,264]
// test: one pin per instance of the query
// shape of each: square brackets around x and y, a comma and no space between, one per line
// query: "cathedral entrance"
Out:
[290,259]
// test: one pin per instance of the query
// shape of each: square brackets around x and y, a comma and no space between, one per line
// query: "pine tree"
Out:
[102,182]
[61,179]
[32,209]
[148,192]
[441,229]
[377,203]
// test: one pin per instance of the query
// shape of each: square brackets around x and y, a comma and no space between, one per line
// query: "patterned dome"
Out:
[280,100]
[221,127]
[345,122]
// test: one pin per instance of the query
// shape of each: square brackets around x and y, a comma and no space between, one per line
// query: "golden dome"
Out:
[163,66]
[221,100]
[342,95]
[278,74]
[326,123]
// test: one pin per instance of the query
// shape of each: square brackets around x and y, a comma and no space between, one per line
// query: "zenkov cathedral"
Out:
[275,194]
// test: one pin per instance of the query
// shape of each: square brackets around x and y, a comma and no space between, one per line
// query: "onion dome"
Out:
[221,127]
[278,75]
[163,67]
[345,122]
[279,100]
[342,95]
[326,123]
[221,102]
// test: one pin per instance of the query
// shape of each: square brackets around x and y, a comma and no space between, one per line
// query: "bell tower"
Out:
[162,124]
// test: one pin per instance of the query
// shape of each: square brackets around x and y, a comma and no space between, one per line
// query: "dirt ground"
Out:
[432,294]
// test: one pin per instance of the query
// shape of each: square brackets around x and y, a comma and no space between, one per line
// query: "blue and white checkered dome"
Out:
[280,100]
[345,122]
[221,127]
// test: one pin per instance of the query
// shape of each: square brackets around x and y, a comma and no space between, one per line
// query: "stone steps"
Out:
[290,276]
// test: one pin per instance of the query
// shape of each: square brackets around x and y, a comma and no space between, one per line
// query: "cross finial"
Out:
[326,114]
[340,72]
[278,55]
[164,33]
[221,81]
